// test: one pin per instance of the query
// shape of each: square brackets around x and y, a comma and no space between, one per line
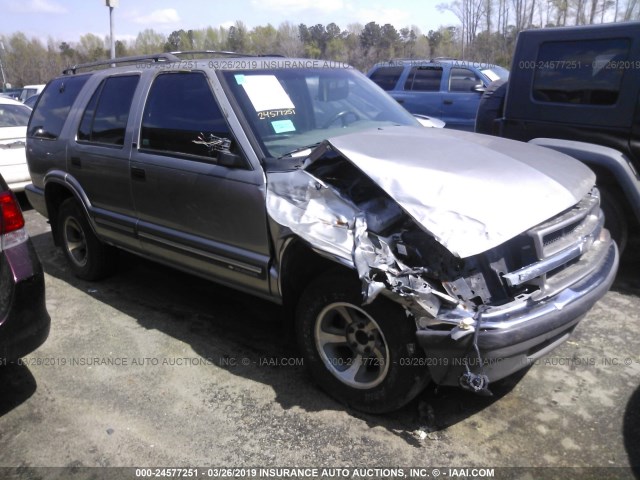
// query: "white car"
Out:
[30,90]
[14,117]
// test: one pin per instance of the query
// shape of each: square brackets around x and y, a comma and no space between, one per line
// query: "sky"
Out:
[67,20]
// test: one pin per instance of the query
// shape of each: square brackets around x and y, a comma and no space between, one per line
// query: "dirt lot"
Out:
[154,368]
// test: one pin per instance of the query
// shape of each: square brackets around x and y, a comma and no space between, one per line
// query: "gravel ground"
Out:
[155,368]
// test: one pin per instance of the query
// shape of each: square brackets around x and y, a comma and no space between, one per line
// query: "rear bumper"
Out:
[536,329]
[24,320]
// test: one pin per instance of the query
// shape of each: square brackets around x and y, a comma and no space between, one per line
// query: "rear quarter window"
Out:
[387,77]
[580,73]
[54,105]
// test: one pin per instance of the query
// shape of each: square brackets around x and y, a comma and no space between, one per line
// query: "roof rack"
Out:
[210,52]
[157,57]
[226,53]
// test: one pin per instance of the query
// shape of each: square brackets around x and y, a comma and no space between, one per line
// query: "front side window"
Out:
[181,116]
[581,73]
[105,118]
[424,79]
[463,80]
[54,106]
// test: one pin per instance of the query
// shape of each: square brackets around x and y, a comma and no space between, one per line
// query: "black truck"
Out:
[577,90]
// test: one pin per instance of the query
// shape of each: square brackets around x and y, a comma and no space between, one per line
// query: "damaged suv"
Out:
[405,254]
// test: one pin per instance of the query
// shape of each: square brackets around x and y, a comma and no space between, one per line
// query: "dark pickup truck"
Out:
[577,90]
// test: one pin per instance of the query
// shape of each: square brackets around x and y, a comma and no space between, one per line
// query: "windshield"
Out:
[291,110]
[496,72]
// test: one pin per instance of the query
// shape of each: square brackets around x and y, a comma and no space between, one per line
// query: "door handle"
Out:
[138,173]
[400,101]
[75,161]
[448,102]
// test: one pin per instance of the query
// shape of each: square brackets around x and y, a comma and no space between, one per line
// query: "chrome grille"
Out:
[559,244]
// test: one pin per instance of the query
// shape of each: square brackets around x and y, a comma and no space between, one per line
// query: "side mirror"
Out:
[231,160]
[480,88]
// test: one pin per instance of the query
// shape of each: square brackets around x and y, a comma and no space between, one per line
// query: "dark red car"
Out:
[24,321]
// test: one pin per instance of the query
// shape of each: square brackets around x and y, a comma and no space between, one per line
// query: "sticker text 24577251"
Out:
[283,112]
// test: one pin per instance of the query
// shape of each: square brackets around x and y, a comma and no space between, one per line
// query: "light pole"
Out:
[4,79]
[112,4]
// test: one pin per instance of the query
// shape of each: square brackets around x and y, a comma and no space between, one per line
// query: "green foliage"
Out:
[486,32]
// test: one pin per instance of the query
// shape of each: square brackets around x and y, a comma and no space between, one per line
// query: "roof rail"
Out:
[224,52]
[210,52]
[157,57]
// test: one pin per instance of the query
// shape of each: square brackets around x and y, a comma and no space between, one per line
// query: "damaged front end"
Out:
[479,317]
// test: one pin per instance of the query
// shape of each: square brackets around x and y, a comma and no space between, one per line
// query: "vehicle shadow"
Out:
[17,385]
[631,432]
[229,328]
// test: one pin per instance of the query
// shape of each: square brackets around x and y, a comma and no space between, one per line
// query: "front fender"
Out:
[599,157]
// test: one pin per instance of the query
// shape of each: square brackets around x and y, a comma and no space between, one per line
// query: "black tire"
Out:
[615,219]
[491,107]
[88,257]
[378,367]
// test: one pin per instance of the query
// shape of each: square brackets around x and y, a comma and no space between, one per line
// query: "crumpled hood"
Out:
[471,192]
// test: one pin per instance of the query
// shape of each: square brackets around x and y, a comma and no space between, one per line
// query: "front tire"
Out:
[88,257]
[364,356]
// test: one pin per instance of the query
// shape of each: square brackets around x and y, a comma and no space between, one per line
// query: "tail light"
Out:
[12,230]
[12,218]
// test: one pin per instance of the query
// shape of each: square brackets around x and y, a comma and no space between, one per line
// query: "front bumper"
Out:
[24,320]
[518,338]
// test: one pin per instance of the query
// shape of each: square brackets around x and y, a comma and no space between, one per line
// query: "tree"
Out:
[264,40]
[389,42]
[289,41]
[370,36]
[238,40]
[149,41]
[92,48]
[25,61]
[470,13]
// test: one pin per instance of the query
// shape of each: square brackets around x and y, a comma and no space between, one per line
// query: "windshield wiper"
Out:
[299,149]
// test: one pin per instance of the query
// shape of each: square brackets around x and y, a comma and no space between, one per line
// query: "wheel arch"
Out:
[58,188]
[299,265]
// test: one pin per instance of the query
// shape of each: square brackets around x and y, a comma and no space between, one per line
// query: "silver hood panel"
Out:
[471,192]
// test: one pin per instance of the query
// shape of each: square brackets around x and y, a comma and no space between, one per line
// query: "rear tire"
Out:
[364,356]
[88,257]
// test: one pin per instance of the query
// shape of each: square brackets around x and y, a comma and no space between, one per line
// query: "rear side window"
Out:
[580,73]
[105,118]
[424,79]
[387,77]
[182,116]
[53,107]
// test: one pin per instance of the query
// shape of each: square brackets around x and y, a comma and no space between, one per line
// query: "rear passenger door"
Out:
[99,158]
[421,92]
[194,211]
